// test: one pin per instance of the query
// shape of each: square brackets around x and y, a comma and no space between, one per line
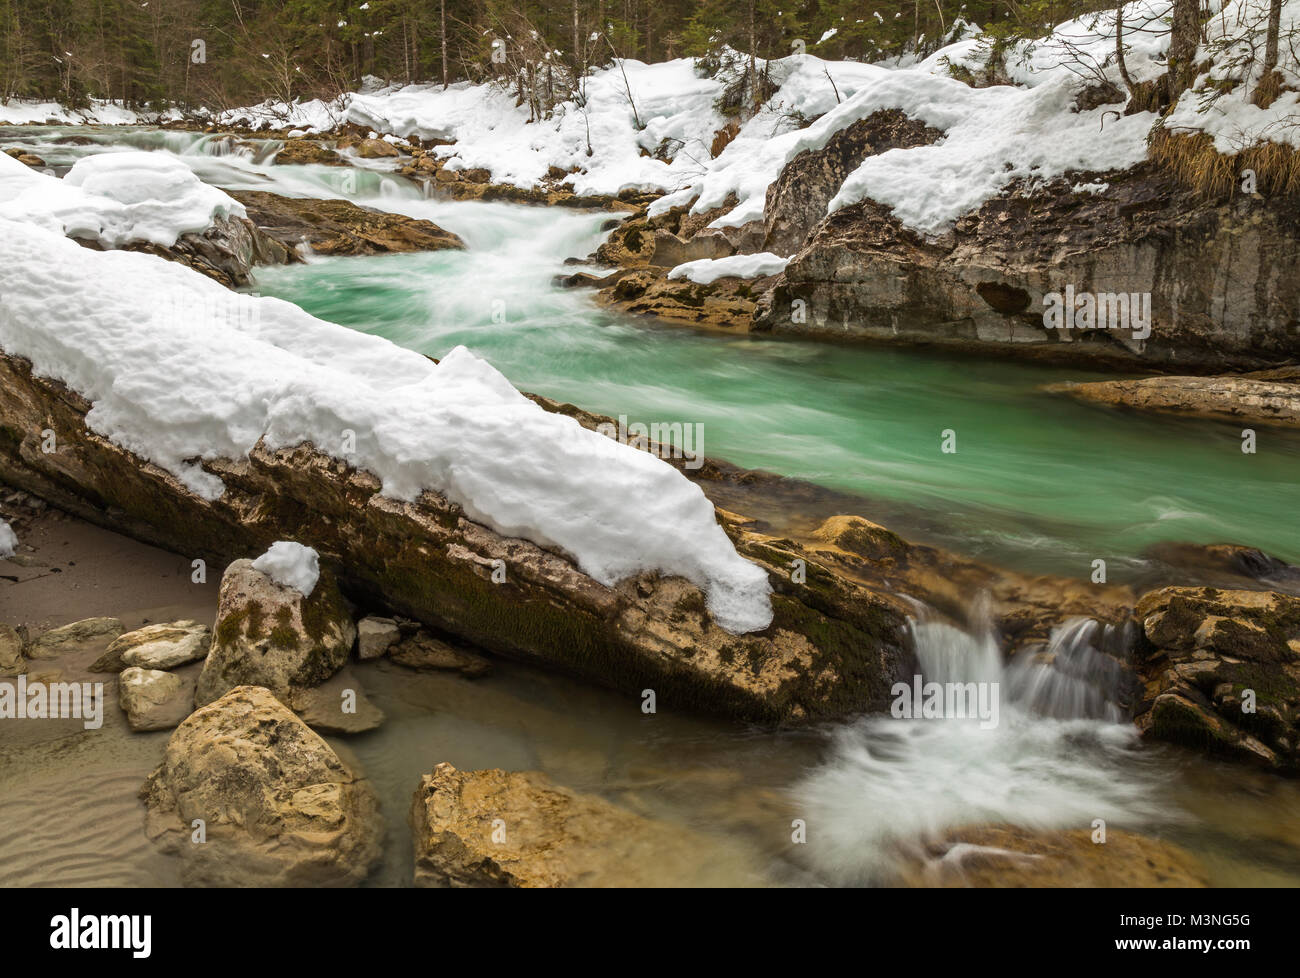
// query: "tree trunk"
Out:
[442,10]
[1184,38]
[1265,88]
[1119,46]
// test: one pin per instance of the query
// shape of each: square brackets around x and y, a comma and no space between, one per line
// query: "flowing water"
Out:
[1038,482]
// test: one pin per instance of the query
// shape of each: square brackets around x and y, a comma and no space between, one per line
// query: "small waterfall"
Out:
[1060,754]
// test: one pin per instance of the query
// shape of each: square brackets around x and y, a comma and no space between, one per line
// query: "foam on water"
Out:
[1061,755]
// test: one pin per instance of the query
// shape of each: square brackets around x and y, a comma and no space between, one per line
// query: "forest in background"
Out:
[225,53]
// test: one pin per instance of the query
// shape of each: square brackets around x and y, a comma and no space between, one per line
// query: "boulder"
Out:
[423,651]
[269,635]
[728,303]
[520,829]
[76,637]
[797,200]
[375,636]
[1222,672]
[160,646]
[371,149]
[277,805]
[227,251]
[154,699]
[297,151]
[340,227]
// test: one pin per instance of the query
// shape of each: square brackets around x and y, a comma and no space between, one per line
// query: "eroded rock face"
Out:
[269,635]
[1243,399]
[834,646]
[1222,672]
[1224,281]
[797,200]
[520,829]
[340,227]
[278,806]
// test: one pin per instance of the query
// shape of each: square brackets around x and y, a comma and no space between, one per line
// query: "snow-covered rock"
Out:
[211,372]
[115,198]
[8,540]
[705,271]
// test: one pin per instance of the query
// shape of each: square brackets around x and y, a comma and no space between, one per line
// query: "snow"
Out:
[707,270]
[212,372]
[291,565]
[24,112]
[8,541]
[1231,118]
[115,198]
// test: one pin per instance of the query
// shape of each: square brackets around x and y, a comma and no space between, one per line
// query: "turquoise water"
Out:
[1038,481]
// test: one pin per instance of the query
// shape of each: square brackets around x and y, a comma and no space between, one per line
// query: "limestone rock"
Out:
[797,200]
[308,151]
[76,637]
[375,636]
[278,806]
[160,646]
[340,227]
[545,835]
[423,651]
[1240,399]
[1222,672]
[154,699]
[370,149]
[1008,856]
[269,635]
[12,661]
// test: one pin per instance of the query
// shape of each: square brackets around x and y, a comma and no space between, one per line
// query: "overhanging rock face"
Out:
[835,647]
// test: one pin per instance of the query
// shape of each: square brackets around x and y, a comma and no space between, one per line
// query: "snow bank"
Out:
[8,541]
[211,372]
[672,102]
[115,198]
[25,112]
[707,270]
[291,565]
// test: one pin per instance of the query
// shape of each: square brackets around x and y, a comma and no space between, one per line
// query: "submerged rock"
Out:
[277,806]
[1006,856]
[160,646]
[268,634]
[519,829]
[154,699]
[1222,672]
[423,651]
[337,706]
[340,227]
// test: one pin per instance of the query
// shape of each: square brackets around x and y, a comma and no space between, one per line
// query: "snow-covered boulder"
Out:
[272,634]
